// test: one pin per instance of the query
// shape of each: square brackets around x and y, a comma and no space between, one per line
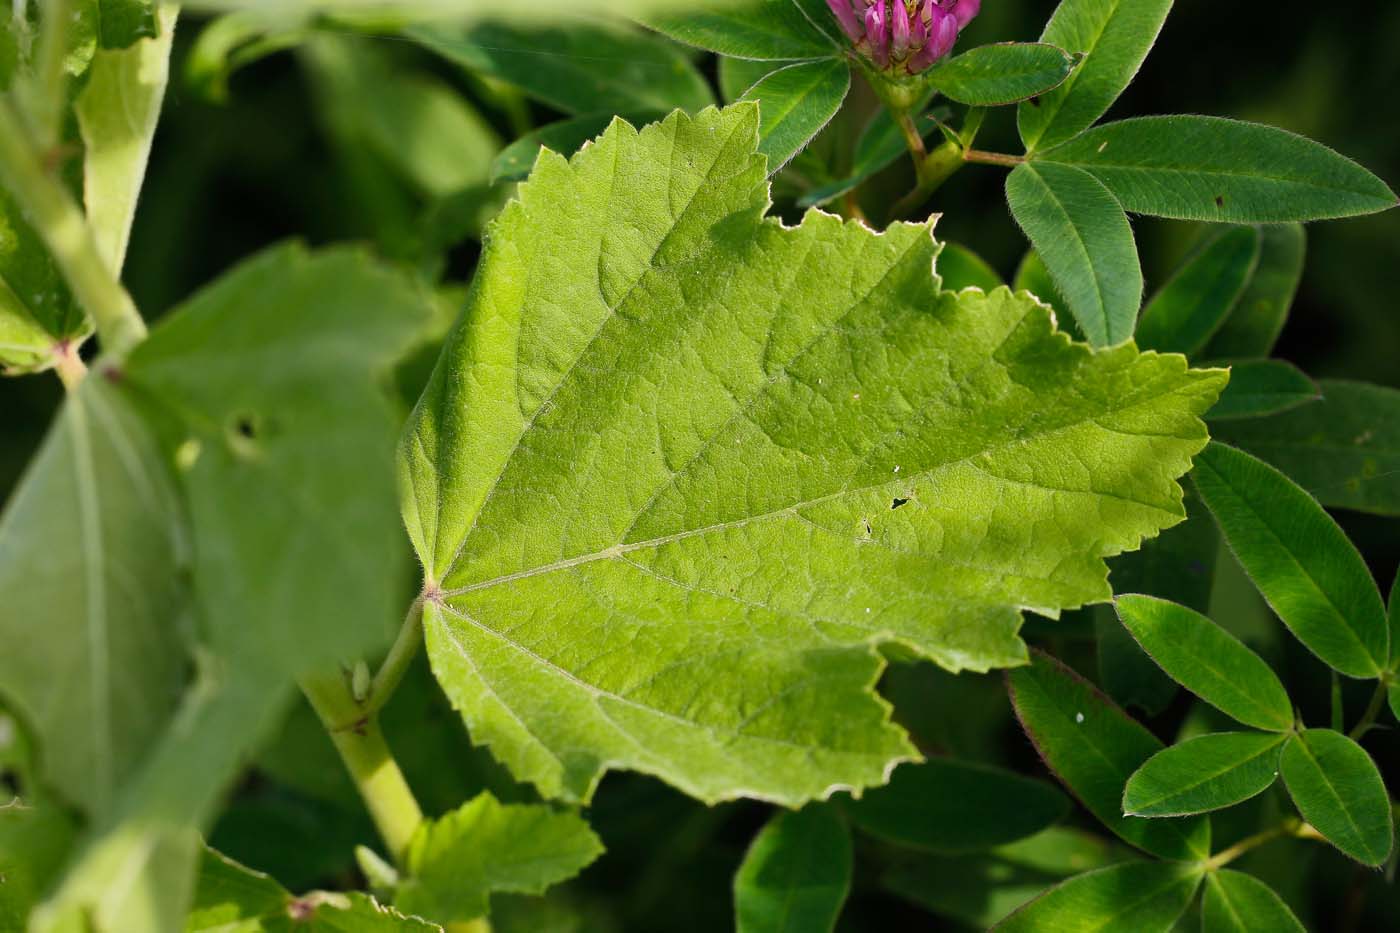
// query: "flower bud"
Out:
[904,35]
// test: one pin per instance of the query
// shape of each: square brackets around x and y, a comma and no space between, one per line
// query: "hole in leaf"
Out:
[1035,101]
[868,530]
[1220,200]
[897,502]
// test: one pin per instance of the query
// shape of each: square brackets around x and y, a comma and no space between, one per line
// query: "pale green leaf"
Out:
[1115,36]
[1344,449]
[272,378]
[580,68]
[117,113]
[119,24]
[1192,306]
[992,75]
[1209,772]
[1253,327]
[1259,388]
[455,863]
[90,546]
[796,874]
[230,897]
[1238,903]
[1086,242]
[945,805]
[794,104]
[1139,897]
[419,127]
[958,267]
[1094,747]
[737,75]
[1299,558]
[1208,661]
[1338,790]
[766,30]
[1209,168]
[566,137]
[681,468]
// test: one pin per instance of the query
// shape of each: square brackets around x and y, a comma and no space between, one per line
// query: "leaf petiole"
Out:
[1373,709]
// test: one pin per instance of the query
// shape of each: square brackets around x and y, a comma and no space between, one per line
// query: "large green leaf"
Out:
[1344,449]
[1094,747]
[231,897]
[1209,168]
[660,483]
[581,68]
[796,874]
[1191,307]
[794,104]
[1253,327]
[1086,242]
[1259,388]
[946,805]
[117,112]
[456,862]
[1115,36]
[767,30]
[992,75]
[91,549]
[1339,791]
[515,161]
[1140,897]
[1208,661]
[1298,557]
[1238,903]
[272,378]
[1209,772]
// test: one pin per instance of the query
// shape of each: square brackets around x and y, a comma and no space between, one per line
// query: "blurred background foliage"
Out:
[344,136]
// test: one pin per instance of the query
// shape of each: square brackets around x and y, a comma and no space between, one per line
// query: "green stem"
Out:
[50,88]
[367,757]
[1289,827]
[51,210]
[935,168]
[68,365]
[1373,709]
[395,665]
[992,158]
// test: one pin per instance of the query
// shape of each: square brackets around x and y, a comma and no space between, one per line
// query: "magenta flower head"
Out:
[904,35]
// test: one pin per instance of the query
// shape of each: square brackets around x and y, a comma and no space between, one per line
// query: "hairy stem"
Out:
[992,158]
[1373,709]
[395,665]
[51,210]
[367,757]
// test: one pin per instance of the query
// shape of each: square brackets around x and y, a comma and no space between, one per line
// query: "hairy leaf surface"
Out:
[456,862]
[1340,792]
[1234,902]
[1206,773]
[681,468]
[1139,897]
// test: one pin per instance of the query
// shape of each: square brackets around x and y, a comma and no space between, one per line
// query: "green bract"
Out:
[649,469]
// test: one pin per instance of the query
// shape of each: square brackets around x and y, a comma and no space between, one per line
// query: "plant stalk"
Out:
[51,210]
[69,366]
[395,665]
[50,83]
[1373,709]
[933,170]
[367,757]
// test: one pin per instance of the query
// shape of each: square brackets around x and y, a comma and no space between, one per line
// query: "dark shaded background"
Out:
[227,180]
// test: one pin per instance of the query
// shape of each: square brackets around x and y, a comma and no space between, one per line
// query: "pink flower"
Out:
[908,35]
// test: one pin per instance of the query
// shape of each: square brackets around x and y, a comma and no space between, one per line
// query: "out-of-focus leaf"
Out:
[796,874]
[1299,558]
[768,30]
[653,543]
[579,68]
[958,267]
[1234,902]
[1115,36]
[794,104]
[230,897]
[1224,171]
[1253,327]
[879,146]
[737,75]
[993,75]
[1140,897]
[1094,747]
[1344,449]
[1339,791]
[37,313]
[1086,242]
[455,863]
[1259,388]
[1033,277]
[117,112]
[1208,661]
[92,547]
[119,24]
[1183,316]
[945,805]
[1209,772]
[564,137]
